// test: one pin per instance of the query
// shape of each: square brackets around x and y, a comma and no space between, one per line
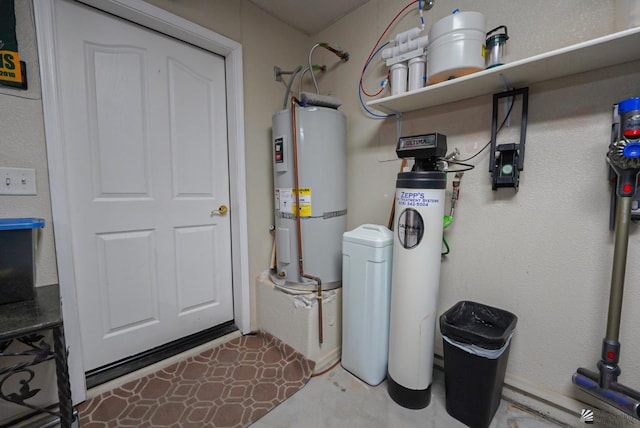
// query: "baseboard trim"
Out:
[40,420]
[549,404]
[136,362]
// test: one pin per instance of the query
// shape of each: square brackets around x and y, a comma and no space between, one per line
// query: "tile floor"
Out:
[338,399]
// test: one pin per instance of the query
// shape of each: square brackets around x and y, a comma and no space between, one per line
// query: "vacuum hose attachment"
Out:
[629,405]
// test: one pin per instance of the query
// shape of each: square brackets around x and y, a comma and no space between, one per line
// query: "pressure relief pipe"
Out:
[296,185]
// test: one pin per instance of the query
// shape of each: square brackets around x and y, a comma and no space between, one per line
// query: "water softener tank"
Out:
[321,154]
[414,286]
[417,247]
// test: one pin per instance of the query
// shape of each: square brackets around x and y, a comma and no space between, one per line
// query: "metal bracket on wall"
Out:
[507,160]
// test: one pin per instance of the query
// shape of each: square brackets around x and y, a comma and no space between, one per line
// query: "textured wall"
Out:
[22,146]
[545,252]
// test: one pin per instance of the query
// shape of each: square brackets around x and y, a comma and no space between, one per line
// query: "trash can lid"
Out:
[371,235]
[478,324]
[21,223]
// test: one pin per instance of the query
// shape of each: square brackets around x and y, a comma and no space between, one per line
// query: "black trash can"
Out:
[476,341]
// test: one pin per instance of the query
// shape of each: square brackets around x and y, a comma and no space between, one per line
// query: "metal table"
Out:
[26,322]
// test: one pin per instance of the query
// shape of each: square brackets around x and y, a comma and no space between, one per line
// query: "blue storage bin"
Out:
[18,238]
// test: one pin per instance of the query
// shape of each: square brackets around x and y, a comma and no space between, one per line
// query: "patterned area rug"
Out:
[232,385]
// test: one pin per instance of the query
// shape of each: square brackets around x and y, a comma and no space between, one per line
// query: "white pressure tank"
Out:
[456,46]
[322,170]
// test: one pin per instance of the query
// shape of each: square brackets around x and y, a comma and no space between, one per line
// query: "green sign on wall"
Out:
[12,70]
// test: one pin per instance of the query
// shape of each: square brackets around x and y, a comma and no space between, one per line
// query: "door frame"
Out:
[147,15]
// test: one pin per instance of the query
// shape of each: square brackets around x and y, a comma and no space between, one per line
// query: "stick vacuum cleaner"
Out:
[624,158]
[417,247]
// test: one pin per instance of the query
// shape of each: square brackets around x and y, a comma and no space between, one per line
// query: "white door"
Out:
[144,118]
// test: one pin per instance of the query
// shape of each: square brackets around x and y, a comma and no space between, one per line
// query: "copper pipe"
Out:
[273,264]
[296,185]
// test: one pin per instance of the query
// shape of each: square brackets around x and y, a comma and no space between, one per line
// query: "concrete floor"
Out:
[339,399]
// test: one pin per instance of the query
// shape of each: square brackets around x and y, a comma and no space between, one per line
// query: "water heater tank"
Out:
[321,153]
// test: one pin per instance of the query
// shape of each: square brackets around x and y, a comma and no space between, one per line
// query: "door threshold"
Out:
[145,359]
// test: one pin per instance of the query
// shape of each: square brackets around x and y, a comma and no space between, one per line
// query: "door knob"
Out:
[222,210]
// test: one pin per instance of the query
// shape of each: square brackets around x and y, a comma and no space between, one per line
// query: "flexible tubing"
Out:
[313,76]
[378,42]
[364,106]
[300,80]
[291,79]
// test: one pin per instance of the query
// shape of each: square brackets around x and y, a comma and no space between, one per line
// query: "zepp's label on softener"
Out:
[416,199]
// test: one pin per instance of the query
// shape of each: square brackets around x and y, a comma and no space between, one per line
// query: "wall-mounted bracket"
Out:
[507,160]
[278,72]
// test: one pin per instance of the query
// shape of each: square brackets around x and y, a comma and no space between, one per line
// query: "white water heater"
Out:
[417,247]
[321,156]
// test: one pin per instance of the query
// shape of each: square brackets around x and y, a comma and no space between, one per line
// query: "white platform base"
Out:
[294,320]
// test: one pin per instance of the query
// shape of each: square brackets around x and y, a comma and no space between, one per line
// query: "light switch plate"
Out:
[17,181]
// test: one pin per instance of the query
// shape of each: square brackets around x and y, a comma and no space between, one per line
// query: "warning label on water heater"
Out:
[416,199]
[286,201]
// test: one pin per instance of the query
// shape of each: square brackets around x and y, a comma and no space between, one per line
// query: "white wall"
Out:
[545,252]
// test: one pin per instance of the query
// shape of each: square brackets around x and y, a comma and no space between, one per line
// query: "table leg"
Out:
[62,375]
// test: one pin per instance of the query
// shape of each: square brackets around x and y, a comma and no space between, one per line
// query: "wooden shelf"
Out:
[606,51]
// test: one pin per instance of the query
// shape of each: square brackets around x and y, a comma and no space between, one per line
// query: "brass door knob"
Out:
[222,210]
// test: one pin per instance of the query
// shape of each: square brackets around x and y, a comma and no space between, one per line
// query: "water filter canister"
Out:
[398,78]
[417,76]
